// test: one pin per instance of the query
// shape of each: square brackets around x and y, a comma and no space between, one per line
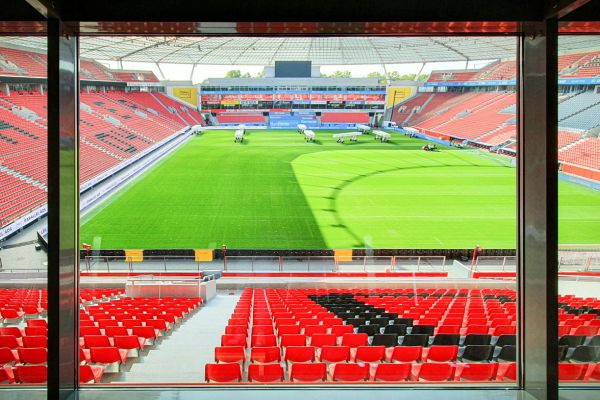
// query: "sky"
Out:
[176,72]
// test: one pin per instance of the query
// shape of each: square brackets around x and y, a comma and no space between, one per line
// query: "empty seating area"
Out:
[190,115]
[104,143]
[354,335]
[241,118]
[585,153]
[23,336]
[478,114]
[345,118]
[114,330]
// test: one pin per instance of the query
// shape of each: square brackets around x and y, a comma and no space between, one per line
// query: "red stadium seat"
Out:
[222,373]
[595,375]
[111,356]
[507,373]
[293,340]
[90,341]
[392,372]
[441,353]
[265,355]
[261,330]
[323,339]
[265,373]
[31,374]
[299,354]
[6,375]
[571,372]
[369,354]
[112,331]
[350,372]
[310,330]
[478,372]
[264,341]
[9,341]
[131,343]
[406,354]
[230,354]
[435,372]
[90,373]
[334,354]
[234,340]
[7,356]
[37,322]
[35,341]
[11,331]
[36,331]
[340,330]
[308,372]
[236,329]
[33,355]
[504,330]
[355,339]
[289,330]
[586,330]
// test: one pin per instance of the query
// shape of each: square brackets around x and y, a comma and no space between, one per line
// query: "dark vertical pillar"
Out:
[63,210]
[538,208]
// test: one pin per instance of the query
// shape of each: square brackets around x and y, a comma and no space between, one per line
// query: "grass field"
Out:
[277,191]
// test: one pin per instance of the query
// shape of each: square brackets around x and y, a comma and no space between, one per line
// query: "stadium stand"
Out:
[303,327]
[241,118]
[114,127]
[345,118]
[113,330]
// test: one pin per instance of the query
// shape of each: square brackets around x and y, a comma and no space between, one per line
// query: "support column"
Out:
[63,210]
[538,208]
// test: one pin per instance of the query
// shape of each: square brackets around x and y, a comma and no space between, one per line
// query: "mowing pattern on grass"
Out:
[277,191]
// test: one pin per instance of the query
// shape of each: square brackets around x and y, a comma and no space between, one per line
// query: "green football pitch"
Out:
[276,191]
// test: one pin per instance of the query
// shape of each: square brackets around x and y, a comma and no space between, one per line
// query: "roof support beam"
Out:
[562,8]
[45,7]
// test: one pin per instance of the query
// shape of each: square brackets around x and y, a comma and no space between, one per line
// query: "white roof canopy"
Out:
[320,50]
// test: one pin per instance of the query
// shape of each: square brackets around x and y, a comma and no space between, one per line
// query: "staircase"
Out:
[169,109]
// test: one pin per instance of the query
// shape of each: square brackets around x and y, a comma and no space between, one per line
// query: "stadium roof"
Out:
[320,50]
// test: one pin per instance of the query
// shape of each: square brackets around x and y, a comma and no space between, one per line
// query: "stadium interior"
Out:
[293,228]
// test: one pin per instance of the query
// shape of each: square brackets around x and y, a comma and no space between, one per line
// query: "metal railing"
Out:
[154,264]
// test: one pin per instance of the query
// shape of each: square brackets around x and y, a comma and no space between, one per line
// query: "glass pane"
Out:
[354,227]
[579,211]
[23,195]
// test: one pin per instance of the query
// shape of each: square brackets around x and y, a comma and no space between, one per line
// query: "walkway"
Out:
[180,357]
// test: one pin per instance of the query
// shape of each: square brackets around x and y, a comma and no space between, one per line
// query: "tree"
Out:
[236,73]
[260,74]
[338,74]
[395,76]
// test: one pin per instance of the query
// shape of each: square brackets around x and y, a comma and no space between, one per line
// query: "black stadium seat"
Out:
[572,340]
[387,340]
[586,354]
[478,353]
[397,329]
[415,340]
[508,353]
[446,339]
